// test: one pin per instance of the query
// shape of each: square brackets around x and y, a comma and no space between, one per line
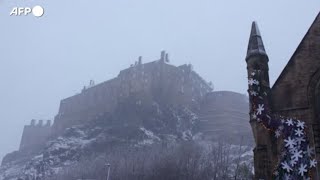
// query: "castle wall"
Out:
[155,80]
[223,118]
[35,135]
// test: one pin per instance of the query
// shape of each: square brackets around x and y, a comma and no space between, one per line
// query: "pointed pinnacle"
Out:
[255,46]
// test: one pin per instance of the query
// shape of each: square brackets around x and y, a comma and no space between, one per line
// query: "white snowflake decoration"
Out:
[302,169]
[310,151]
[299,140]
[300,124]
[290,142]
[313,163]
[277,133]
[289,122]
[253,93]
[298,132]
[251,82]
[286,166]
[260,109]
[296,155]
[254,116]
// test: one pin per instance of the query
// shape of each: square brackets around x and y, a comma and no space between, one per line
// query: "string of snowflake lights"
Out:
[297,157]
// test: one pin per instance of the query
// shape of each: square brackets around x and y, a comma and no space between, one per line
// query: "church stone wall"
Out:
[295,94]
[294,81]
[298,83]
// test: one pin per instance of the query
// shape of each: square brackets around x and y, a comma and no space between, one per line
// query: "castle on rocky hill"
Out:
[156,79]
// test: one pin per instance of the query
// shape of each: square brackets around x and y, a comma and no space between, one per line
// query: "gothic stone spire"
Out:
[255,46]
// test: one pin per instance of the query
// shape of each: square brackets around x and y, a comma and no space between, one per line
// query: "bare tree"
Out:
[185,161]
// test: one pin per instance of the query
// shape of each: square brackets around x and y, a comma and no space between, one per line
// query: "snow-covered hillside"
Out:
[171,134]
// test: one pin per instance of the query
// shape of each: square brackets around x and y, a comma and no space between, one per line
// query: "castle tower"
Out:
[163,56]
[257,59]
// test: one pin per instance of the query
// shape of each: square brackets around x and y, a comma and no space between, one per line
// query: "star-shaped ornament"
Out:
[313,163]
[253,93]
[254,116]
[290,143]
[260,109]
[300,124]
[251,81]
[277,133]
[296,155]
[298,132]
[302,169]
[285,166]
[289,122]
[299,140]
[309,151]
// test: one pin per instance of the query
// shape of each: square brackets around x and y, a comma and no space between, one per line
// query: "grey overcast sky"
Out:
[44,60]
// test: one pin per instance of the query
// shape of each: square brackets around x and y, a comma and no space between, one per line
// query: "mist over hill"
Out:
[169,112]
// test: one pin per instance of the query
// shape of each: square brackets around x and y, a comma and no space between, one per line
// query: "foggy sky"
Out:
[44,60]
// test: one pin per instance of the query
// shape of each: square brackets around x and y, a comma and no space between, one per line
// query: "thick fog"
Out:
[44,60]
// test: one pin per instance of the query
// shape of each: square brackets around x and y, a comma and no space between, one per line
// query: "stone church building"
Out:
[296,94]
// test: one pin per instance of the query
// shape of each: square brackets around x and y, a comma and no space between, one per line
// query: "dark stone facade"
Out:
[295,94]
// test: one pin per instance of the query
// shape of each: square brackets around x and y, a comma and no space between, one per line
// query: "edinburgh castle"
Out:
[150,80]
